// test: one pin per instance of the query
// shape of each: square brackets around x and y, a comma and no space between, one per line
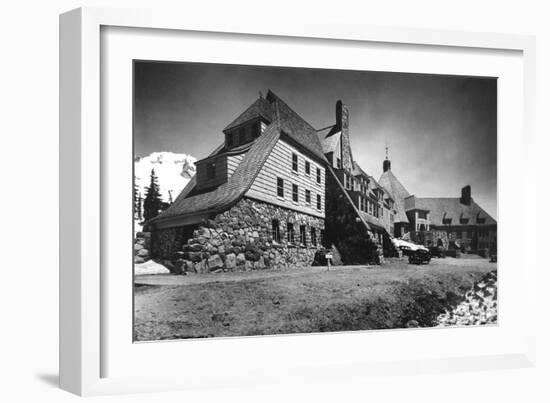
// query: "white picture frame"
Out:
[83,306]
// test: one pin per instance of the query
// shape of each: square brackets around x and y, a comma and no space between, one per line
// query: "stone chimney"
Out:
[386,166]
[342,122]
[466,197]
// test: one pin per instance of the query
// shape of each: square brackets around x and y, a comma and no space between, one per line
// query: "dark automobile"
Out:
[437,251]
[420,256]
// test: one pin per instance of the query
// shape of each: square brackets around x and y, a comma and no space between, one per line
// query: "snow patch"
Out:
[149,267]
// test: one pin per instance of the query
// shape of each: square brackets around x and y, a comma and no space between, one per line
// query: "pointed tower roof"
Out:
[398,192]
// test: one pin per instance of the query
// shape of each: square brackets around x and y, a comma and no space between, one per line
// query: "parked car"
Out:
[420,256]
[416,253]
[437,251]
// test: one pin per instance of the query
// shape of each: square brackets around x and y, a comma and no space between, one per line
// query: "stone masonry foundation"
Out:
[242,238]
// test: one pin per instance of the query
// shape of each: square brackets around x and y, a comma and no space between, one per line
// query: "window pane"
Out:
[280,187]
[295,193]
[295,162]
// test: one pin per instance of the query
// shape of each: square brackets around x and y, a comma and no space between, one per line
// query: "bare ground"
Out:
[393,295]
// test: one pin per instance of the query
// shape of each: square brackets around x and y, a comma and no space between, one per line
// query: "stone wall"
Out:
[345,231]
[241,239]
[142,244]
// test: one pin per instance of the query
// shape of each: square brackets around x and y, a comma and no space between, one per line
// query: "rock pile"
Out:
[141,247]
[479,306]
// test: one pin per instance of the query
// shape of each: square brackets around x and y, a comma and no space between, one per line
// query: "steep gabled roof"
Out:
[295,126]
[260,108]
[451,207]
[329,143]
[398,193]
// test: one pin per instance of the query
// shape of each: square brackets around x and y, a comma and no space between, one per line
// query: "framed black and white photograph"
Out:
[284,202]
[250,220]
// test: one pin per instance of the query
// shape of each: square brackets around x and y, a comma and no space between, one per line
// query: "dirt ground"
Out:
[392,295]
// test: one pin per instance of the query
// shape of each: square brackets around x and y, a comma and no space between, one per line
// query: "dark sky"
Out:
[441,130]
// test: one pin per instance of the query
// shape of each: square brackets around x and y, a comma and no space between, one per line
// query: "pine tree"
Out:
[139,207]
[152,204]
[137,203]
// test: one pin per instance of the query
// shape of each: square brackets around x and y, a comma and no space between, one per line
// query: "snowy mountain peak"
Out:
[173,171]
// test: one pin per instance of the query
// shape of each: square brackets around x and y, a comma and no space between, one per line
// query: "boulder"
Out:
[241,258]
[205,233]
[215,262]
[196,247]
[200,267]
[252,256]
[230,261]
[143,253]
[260,264]
[138,260]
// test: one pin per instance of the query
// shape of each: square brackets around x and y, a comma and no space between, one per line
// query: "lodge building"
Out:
[276,192]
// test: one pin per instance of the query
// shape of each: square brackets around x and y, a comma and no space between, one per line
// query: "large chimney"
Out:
[342,122]
[466,197]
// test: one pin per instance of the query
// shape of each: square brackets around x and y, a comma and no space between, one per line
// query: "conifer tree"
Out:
[137,203]
[152,204]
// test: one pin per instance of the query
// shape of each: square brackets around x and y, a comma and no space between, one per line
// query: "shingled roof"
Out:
[228,193]
[284,121]
[295,126]
[398,193]
[452,208]
[260,108]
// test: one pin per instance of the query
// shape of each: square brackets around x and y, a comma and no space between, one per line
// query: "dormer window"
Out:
[447,221]
[338,163]
[229,140]
[479,219]
[242,135]
[256,128]
[211,170]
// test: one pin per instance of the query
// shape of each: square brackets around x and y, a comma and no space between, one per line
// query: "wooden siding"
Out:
[233,162]
[279,164]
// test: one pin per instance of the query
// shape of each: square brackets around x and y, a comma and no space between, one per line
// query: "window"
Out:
[321,236]
[303,234]
[295,193]
[256,130]
[242,135]
[422,214]
[308,196]
[318,175]
[458,234]
[347,180]
[211,170]
[318,202]
[275,231]
[280,187]
[313,237]
[338,163]
[308,167]
[230,140]
[295,162]
[447,221]
[290,232]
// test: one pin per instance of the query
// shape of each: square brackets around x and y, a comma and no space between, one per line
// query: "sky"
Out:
[441,131]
